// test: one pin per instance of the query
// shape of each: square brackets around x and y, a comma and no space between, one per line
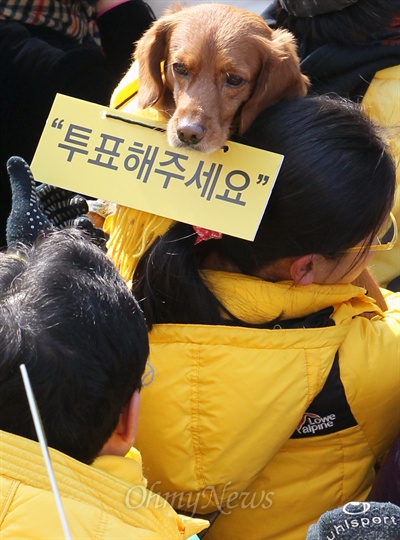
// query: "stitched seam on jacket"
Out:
[308,359]
[102,525]
[342,501]
[195,416]
[316,383]
[8,497]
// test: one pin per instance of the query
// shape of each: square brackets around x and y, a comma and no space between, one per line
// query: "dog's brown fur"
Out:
[213,45]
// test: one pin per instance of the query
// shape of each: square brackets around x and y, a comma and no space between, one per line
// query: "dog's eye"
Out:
[180,69]
[234,80]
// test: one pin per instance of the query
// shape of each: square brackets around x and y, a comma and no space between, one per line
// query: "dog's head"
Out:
[222,66]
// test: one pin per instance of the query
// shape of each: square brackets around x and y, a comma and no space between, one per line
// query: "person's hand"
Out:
[102,5]
[368,282]
[39,209]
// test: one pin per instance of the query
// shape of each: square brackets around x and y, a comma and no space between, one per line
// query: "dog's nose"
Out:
[191,133]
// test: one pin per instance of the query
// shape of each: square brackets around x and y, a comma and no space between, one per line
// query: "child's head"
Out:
[69,317]
[334,191]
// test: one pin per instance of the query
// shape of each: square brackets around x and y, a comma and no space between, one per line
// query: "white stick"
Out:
[45,451]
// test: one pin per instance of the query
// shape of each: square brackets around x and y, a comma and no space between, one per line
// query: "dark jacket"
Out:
[342,69]
[386,487]
[36,63]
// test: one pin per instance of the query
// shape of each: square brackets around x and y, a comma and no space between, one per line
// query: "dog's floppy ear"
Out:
[151,50]
[280,76]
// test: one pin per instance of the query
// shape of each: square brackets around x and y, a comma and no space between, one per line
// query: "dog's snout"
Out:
[191,133]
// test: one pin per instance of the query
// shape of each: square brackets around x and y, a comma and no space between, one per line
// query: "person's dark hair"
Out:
[358,24]
[66,314]
[334,190]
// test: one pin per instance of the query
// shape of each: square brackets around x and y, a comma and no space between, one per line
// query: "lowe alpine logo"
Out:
[313,423]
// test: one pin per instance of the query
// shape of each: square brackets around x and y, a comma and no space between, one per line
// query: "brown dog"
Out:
[222,66]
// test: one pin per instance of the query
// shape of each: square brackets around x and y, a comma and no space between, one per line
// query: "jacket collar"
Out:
[99,485]
[256,301]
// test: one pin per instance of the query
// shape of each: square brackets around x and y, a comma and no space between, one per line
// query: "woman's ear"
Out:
[302,270]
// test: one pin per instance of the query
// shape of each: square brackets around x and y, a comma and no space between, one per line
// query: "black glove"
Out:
[61,206]
[39,209]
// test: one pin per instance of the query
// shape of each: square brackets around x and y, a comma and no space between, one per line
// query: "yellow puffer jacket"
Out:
[108,500]
[227,407]
[382,103]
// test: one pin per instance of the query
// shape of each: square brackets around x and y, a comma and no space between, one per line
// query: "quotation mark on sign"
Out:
[56,123]
[262,179]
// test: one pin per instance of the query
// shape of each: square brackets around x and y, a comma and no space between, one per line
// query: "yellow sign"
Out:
[98,151]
